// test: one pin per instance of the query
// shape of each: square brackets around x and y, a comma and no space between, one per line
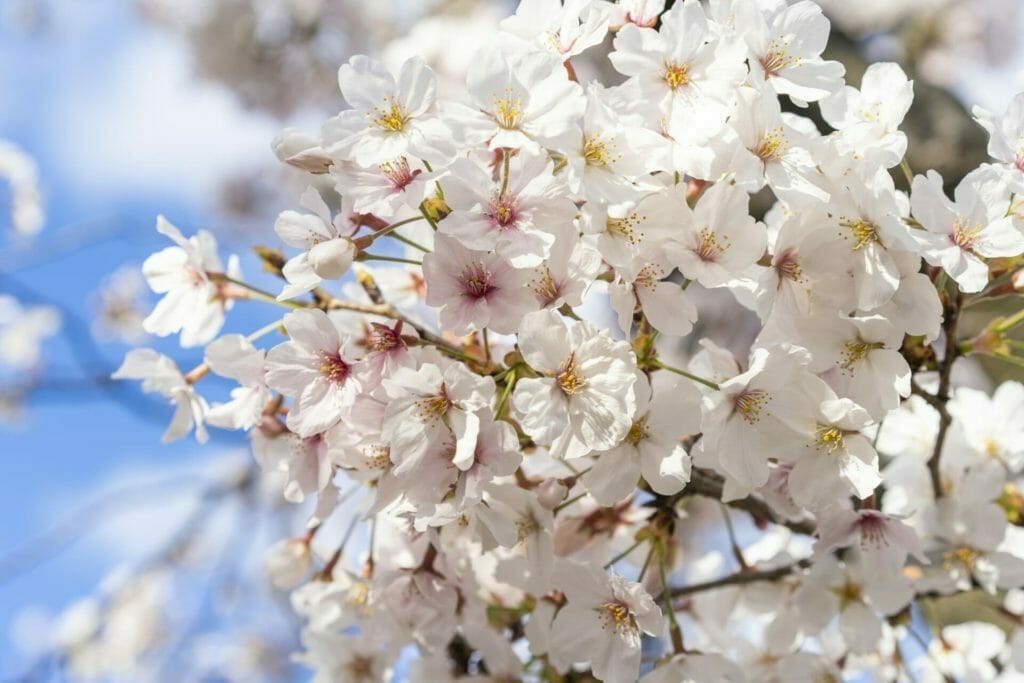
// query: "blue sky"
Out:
[106,106]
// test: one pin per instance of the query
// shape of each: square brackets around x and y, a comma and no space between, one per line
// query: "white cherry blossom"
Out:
[960,234]
[585,399]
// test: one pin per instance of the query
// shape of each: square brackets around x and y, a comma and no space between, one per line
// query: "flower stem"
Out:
[255,292]
[509,384]
[1013,360]
[406,240]
[907,173]
[265,330]
[700,380]
[394,226]
[674,631]
[423,211]
[625,553]
[567,503]
[505,159]
[1007,324]
[394,259]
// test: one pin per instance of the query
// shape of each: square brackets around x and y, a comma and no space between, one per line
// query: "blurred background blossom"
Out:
[123,560]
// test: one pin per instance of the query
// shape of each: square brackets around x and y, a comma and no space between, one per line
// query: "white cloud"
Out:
[148,125]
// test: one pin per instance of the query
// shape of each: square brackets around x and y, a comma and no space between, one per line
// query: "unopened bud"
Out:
[273,259]
[301,150]
[287,562]
[551,493]
[332,259]
[436,208]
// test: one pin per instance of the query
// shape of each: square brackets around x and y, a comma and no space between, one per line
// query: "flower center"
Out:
[378,457]
[872,529]
[863,232]
[432,408]
[968,557]
[526,527]
[503,212]
[596,152]
[788,267]
[333,367]
[709,246]
[772,146]
[965,235]
[544,286]
[676,75]
[637,432]
[616,615]
[626,227]
[829,439]
[399,173]
[648,275]
[848,593]
[750,403]
[569,378]
[389,116]
[854,352]
[777,58]
[476,281]
[383,338]
[508,109]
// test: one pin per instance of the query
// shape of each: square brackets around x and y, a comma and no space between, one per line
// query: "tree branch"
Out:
[942,395]
[740,578]
[706,484]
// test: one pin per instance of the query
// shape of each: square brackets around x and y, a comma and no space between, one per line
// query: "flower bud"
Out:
[301,150]
[436,208]
[551,492]
[287,563]
[332,259]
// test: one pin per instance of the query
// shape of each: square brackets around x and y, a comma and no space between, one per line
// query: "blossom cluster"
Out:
[529,472]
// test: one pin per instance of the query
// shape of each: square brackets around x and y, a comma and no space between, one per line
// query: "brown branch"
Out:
[941,397]
[709,485]
[740,578]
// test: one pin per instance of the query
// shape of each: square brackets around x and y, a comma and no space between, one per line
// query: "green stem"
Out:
[907,173]
[736,552]
[423,212]
[647,563]
[625,553]
[878,433]
[674,631]
[501,375]
[264,330]
[569,502]
[394,259]
[505,159]
[1013,360]
[394,226]
[1007,324]
[256,292]
[700,380]
[406,240]
[506,392]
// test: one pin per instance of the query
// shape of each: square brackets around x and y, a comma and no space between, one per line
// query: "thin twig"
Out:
[711,486]
[739,579]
